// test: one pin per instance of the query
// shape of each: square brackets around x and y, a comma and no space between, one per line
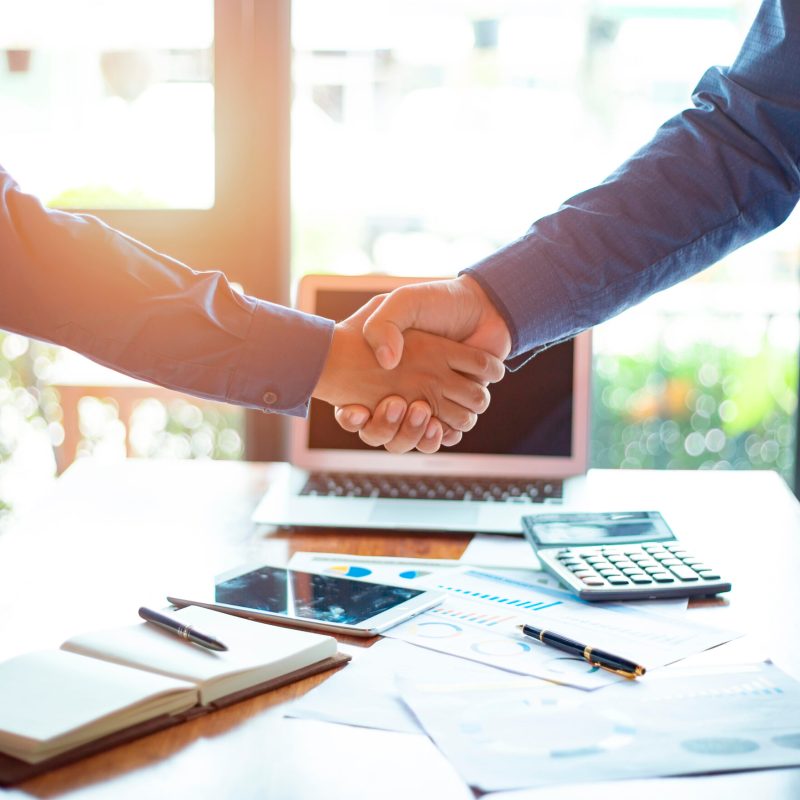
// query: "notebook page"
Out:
[53,700]
[256,651]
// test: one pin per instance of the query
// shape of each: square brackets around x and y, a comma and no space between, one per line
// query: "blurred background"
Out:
[270,138]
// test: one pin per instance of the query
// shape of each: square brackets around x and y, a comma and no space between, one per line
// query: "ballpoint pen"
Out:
[598,658]
[180,629]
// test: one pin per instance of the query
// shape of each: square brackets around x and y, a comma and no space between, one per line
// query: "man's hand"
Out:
[449,377]
[458,309]
[398,426]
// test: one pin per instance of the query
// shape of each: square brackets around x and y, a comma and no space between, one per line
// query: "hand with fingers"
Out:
[434,377]
[398,426]
[458,309]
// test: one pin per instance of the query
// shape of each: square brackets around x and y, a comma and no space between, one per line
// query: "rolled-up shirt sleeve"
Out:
[713,178]
[71,280]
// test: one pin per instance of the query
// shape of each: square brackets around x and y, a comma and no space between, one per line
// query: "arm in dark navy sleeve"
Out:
[713,178]
[71,280]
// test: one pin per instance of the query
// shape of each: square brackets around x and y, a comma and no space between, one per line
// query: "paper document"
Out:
[373,569]
[481,612]
[366,693]
[495,551]
[417,573]
[673,722]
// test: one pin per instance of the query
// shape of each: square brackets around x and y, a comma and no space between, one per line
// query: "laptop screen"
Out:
[531,413]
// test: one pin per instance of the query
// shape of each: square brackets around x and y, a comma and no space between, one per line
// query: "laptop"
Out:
[526,455]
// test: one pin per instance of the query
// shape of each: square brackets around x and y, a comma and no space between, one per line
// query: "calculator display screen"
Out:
[629,527]
[324,598]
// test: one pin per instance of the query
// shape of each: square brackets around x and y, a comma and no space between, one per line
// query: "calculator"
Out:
[573,548]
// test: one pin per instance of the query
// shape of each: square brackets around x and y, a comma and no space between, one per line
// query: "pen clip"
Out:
[636,673]
[624,673]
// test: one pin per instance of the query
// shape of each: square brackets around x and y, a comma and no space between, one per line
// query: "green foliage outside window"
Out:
[710,407]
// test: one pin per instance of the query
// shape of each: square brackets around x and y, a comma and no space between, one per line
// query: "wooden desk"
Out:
[113,537]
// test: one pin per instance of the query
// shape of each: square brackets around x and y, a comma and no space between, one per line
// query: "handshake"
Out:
[410,368]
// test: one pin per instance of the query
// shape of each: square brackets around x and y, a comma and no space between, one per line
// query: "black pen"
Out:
[597,658]
[179,629]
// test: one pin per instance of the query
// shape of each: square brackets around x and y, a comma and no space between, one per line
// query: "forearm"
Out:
[713,178]
[71,280]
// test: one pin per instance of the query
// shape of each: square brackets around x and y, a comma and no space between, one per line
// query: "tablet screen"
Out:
[324,598]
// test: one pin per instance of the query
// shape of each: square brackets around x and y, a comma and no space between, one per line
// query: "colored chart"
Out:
[437,630]
[475,617]
[350,571]
[510,602]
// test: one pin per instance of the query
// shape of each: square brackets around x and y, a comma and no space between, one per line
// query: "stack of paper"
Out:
[482,611]
[490,697]
[676,722]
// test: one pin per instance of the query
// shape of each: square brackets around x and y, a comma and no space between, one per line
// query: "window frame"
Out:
[246,233]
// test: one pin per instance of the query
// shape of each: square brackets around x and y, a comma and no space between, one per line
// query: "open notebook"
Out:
[109,686]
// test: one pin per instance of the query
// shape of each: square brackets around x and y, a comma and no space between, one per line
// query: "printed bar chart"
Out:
[478,619]
[512,602]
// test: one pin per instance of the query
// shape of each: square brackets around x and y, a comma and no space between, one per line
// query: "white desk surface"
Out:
[109,538]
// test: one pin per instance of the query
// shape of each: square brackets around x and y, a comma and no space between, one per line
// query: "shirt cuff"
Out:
[529,295]
[283,359]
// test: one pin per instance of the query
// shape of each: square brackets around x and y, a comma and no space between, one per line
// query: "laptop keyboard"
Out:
[418,487]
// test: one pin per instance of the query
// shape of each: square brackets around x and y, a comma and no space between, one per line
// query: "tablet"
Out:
[308,600]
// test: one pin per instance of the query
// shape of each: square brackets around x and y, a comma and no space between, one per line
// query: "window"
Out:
[169,121]
[109,105]
[425,136]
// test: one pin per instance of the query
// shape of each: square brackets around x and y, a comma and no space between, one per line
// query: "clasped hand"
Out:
[410,369]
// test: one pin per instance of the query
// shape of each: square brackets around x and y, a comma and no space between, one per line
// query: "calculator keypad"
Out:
[650,569]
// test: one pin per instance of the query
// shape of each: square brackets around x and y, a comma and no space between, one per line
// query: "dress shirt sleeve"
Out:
[713,178]
[71,280]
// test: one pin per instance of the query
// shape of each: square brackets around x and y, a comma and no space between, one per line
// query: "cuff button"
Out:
[270,398]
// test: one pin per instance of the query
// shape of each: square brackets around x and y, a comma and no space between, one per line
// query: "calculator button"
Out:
[654,569]
[593,581]
[617,580]
[662,577]
[681,554]
[594,559]
[708,575]
[583,573]
[571,562]
[631,570]
[641,579]
[644,564]
[685,573]
[692,562]
[671,562]
[606,571]
[640,557]
[618,559]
